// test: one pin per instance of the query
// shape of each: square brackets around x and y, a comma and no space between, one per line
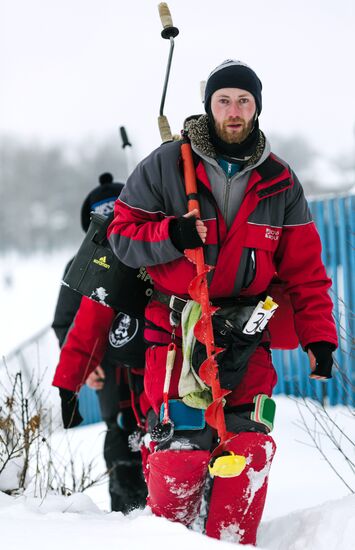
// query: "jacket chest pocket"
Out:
[260,245]
[264,237]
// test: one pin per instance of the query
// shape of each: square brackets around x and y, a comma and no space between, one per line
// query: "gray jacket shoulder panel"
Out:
[154,170]
[285,208]
[297,211]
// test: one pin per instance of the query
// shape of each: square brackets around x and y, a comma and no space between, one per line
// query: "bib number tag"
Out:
[260,316]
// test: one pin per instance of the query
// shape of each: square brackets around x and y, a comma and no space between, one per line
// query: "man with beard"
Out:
[255,228]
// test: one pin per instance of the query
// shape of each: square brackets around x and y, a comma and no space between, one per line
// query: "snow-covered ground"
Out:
[29,289]
[308,506]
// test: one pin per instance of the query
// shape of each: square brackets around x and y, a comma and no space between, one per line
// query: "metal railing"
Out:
[335,220]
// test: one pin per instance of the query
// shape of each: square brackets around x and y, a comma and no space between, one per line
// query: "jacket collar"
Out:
[196,128]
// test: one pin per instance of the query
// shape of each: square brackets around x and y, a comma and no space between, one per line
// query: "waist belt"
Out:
[173,302]
[177,304]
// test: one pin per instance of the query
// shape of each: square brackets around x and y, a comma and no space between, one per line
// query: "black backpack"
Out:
[97,273]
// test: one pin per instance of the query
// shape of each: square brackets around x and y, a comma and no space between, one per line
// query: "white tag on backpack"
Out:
[260,316]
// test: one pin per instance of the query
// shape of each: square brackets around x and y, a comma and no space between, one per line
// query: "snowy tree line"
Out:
[42,189]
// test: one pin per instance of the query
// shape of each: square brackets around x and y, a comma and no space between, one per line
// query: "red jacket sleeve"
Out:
[307,283]
[139,233]
[85,345]
[300,267]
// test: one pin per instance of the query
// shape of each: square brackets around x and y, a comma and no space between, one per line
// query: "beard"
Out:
[237,136]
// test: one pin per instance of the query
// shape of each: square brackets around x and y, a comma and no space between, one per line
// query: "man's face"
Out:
[233,111]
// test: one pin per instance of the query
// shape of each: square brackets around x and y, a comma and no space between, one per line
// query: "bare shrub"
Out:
[26,445]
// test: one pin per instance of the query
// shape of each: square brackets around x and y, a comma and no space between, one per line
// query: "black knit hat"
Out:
[233,74]
[101,199]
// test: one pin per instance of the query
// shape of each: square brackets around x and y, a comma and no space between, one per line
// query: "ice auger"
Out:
[224,464]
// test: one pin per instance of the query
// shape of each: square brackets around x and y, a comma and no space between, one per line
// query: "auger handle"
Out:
[169,31]
[190,178]
[164,128]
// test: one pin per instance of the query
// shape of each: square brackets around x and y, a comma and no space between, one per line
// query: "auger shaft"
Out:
[199,292]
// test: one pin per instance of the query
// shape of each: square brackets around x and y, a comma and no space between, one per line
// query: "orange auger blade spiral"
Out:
[198,282]
[198,290]
[202,327]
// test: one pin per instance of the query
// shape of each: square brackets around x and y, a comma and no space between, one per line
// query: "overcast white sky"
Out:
[73,69]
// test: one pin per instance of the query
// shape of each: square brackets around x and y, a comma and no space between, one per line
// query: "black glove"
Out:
[183,233]
[322,352]
[70,411]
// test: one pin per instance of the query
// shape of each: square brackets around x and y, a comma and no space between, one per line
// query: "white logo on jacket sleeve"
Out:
[273,234]
[123,330]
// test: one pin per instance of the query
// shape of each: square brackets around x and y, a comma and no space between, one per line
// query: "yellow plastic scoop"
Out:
[229,465]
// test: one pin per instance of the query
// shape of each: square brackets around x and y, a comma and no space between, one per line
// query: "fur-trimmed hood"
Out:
[197,130]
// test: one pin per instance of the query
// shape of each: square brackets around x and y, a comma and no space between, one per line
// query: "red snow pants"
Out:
[176,482]
[176,478]
[237,503]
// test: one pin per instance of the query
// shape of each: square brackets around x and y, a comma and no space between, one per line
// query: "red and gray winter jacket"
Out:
[272,234]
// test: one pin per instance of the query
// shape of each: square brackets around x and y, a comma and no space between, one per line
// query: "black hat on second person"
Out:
[100,200]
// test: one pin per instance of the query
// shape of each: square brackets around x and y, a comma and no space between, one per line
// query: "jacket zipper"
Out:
[228,187]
